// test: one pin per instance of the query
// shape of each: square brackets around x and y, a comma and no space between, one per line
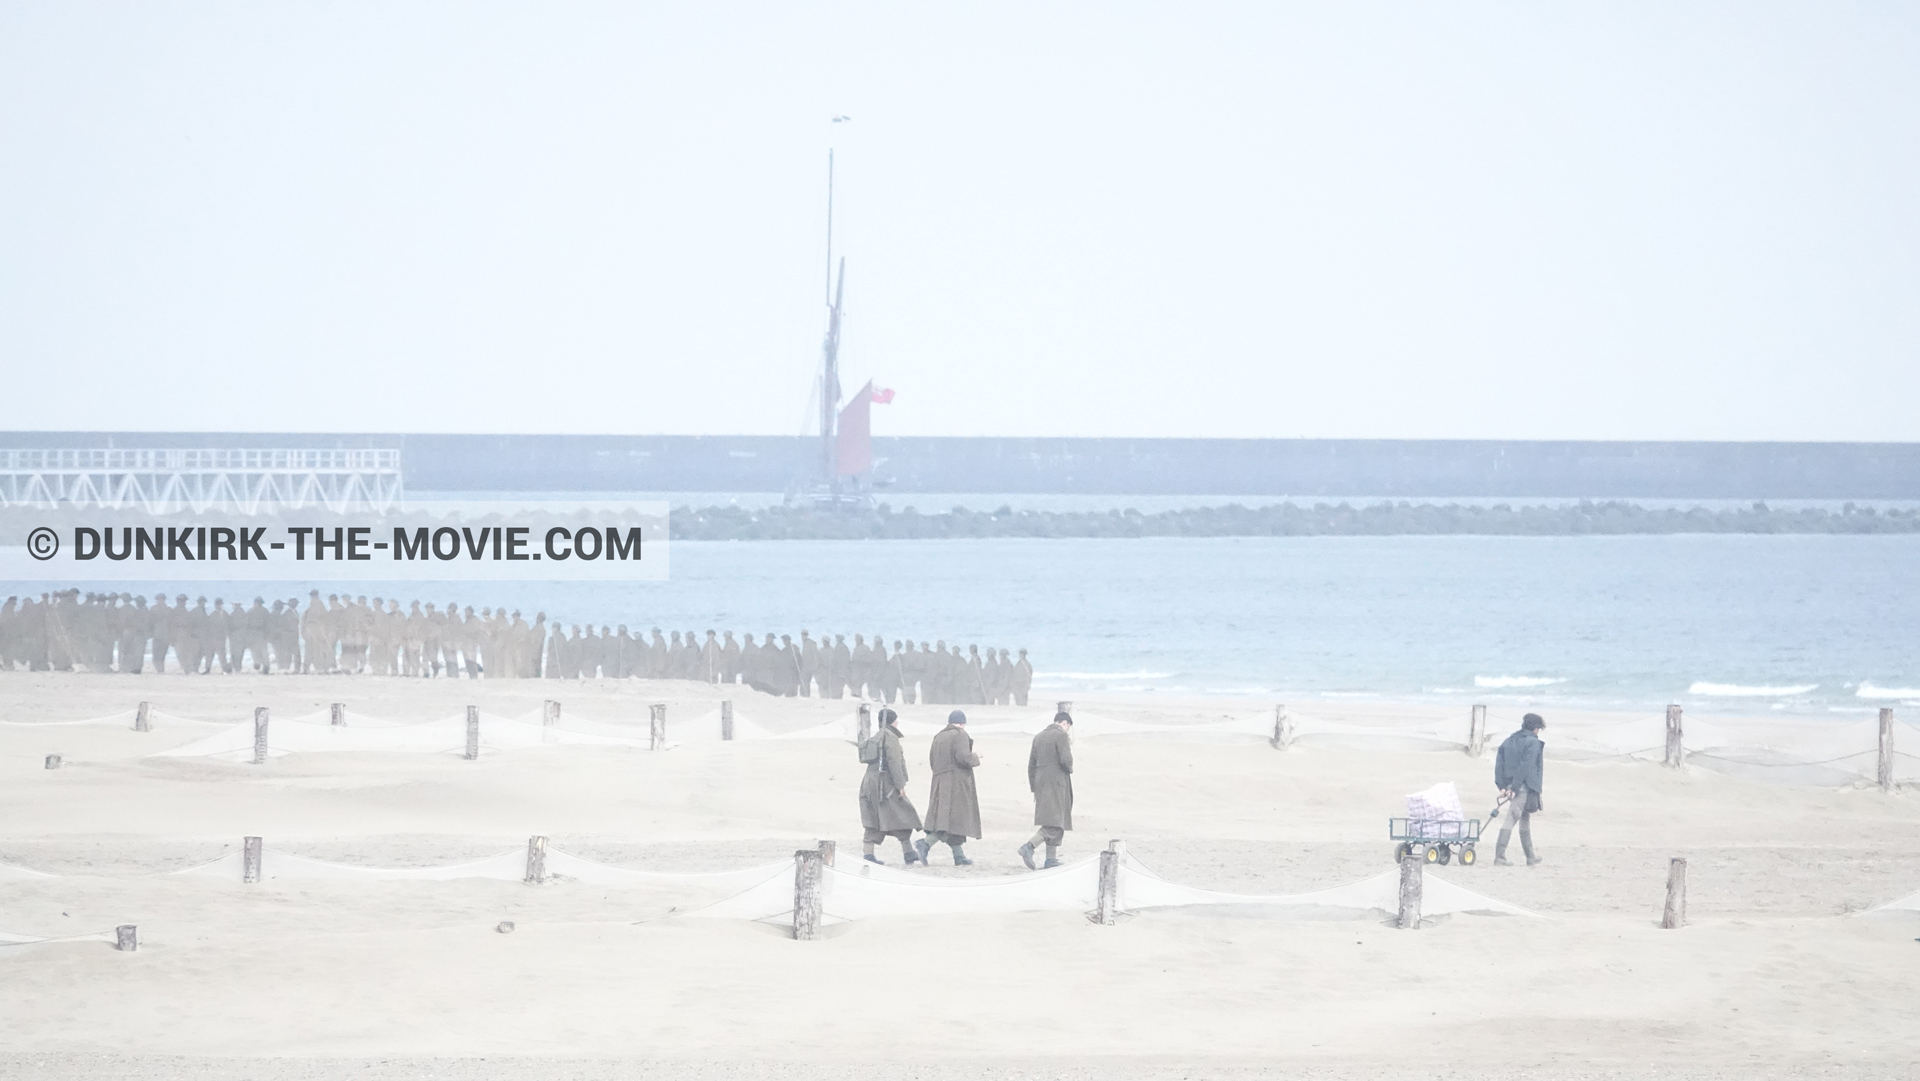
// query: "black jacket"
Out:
[1519,764]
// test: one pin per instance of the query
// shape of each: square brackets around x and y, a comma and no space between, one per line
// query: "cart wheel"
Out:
[1446,855]
[1433,853]
[1467,857]
[1402,851]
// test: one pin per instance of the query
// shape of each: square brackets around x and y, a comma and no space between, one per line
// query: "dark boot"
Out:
[959,855]
[1500,849]
[922,846]
[871,858]
[1026,855]
[907,851]
[1053,856]
[1526,844]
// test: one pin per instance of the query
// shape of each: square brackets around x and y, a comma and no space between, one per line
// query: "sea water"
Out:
[1826,625]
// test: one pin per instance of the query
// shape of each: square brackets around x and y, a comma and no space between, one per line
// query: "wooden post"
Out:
[808,869]
[473,733]
[866,722]
[53,761]
[726,719]
[536,860]
[1282,729]
[657,727]
[143,718]
[337,714]
[1886,750]
[1676,753]
[1106,910]
[1412,878]
[126,938]
[1477,732]
[250,860]
[1676,913]
[826,851]
[550,713]
[259,735]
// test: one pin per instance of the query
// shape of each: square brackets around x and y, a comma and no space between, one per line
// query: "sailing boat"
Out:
[841,474]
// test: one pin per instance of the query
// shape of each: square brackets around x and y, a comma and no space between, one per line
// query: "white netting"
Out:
[862,890]
[352,718]
[1909,903]
[12,873]
[1798,752]
[446,736]
[1313,731]
[706,728]
[505,867]
[848,728]
[123,719]
[10,939]
[1804,753]
[566,867]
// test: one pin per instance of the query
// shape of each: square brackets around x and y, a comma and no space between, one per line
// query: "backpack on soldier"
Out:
[870,749]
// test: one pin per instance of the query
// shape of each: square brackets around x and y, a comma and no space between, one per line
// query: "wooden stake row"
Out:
[1282,738]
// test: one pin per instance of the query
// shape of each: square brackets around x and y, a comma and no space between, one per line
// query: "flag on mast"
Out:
[854,451]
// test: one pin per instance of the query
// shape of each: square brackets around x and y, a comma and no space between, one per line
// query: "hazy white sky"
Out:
[1618,221]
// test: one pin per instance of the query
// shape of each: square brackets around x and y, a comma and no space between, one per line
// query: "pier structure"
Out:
[228,480]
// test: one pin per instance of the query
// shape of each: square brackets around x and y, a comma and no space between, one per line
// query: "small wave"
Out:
[1103,675]
[1485,682]
[1735,690]
[1868,690]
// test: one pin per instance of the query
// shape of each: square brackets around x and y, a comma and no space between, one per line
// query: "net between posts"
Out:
[1793,752]
[1909,903]
[864,890]
[445,736]
[353,718]
[12,873]
[1803,753]
[561,867]
[123,719]
[505,867]
[8,938]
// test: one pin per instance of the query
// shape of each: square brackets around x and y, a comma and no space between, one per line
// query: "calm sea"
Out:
[1826,625]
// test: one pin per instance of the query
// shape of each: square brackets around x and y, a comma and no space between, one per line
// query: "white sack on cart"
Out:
[1425,810]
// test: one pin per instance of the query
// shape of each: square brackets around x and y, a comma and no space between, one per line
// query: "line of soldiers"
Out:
[121,632]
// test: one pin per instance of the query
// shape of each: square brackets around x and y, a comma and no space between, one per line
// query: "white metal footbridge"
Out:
[231,481]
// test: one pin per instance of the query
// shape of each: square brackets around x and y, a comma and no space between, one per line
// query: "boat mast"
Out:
[830,363]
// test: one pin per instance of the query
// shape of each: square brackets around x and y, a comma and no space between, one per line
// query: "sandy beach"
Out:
[1775,975]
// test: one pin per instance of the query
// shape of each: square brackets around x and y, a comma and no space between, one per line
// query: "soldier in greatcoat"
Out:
[839,667]
[809,663]
[1022,679]
[885,810]
[1050,776]
[790,667]
[953,803]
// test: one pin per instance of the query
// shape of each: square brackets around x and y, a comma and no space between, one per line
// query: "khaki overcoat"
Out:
[883,802]
[1050,776]
[953,804]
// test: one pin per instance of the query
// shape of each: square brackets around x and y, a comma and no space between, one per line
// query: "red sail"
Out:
[855,447]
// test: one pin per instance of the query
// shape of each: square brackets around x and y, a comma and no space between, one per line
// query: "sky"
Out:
[1469,220]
